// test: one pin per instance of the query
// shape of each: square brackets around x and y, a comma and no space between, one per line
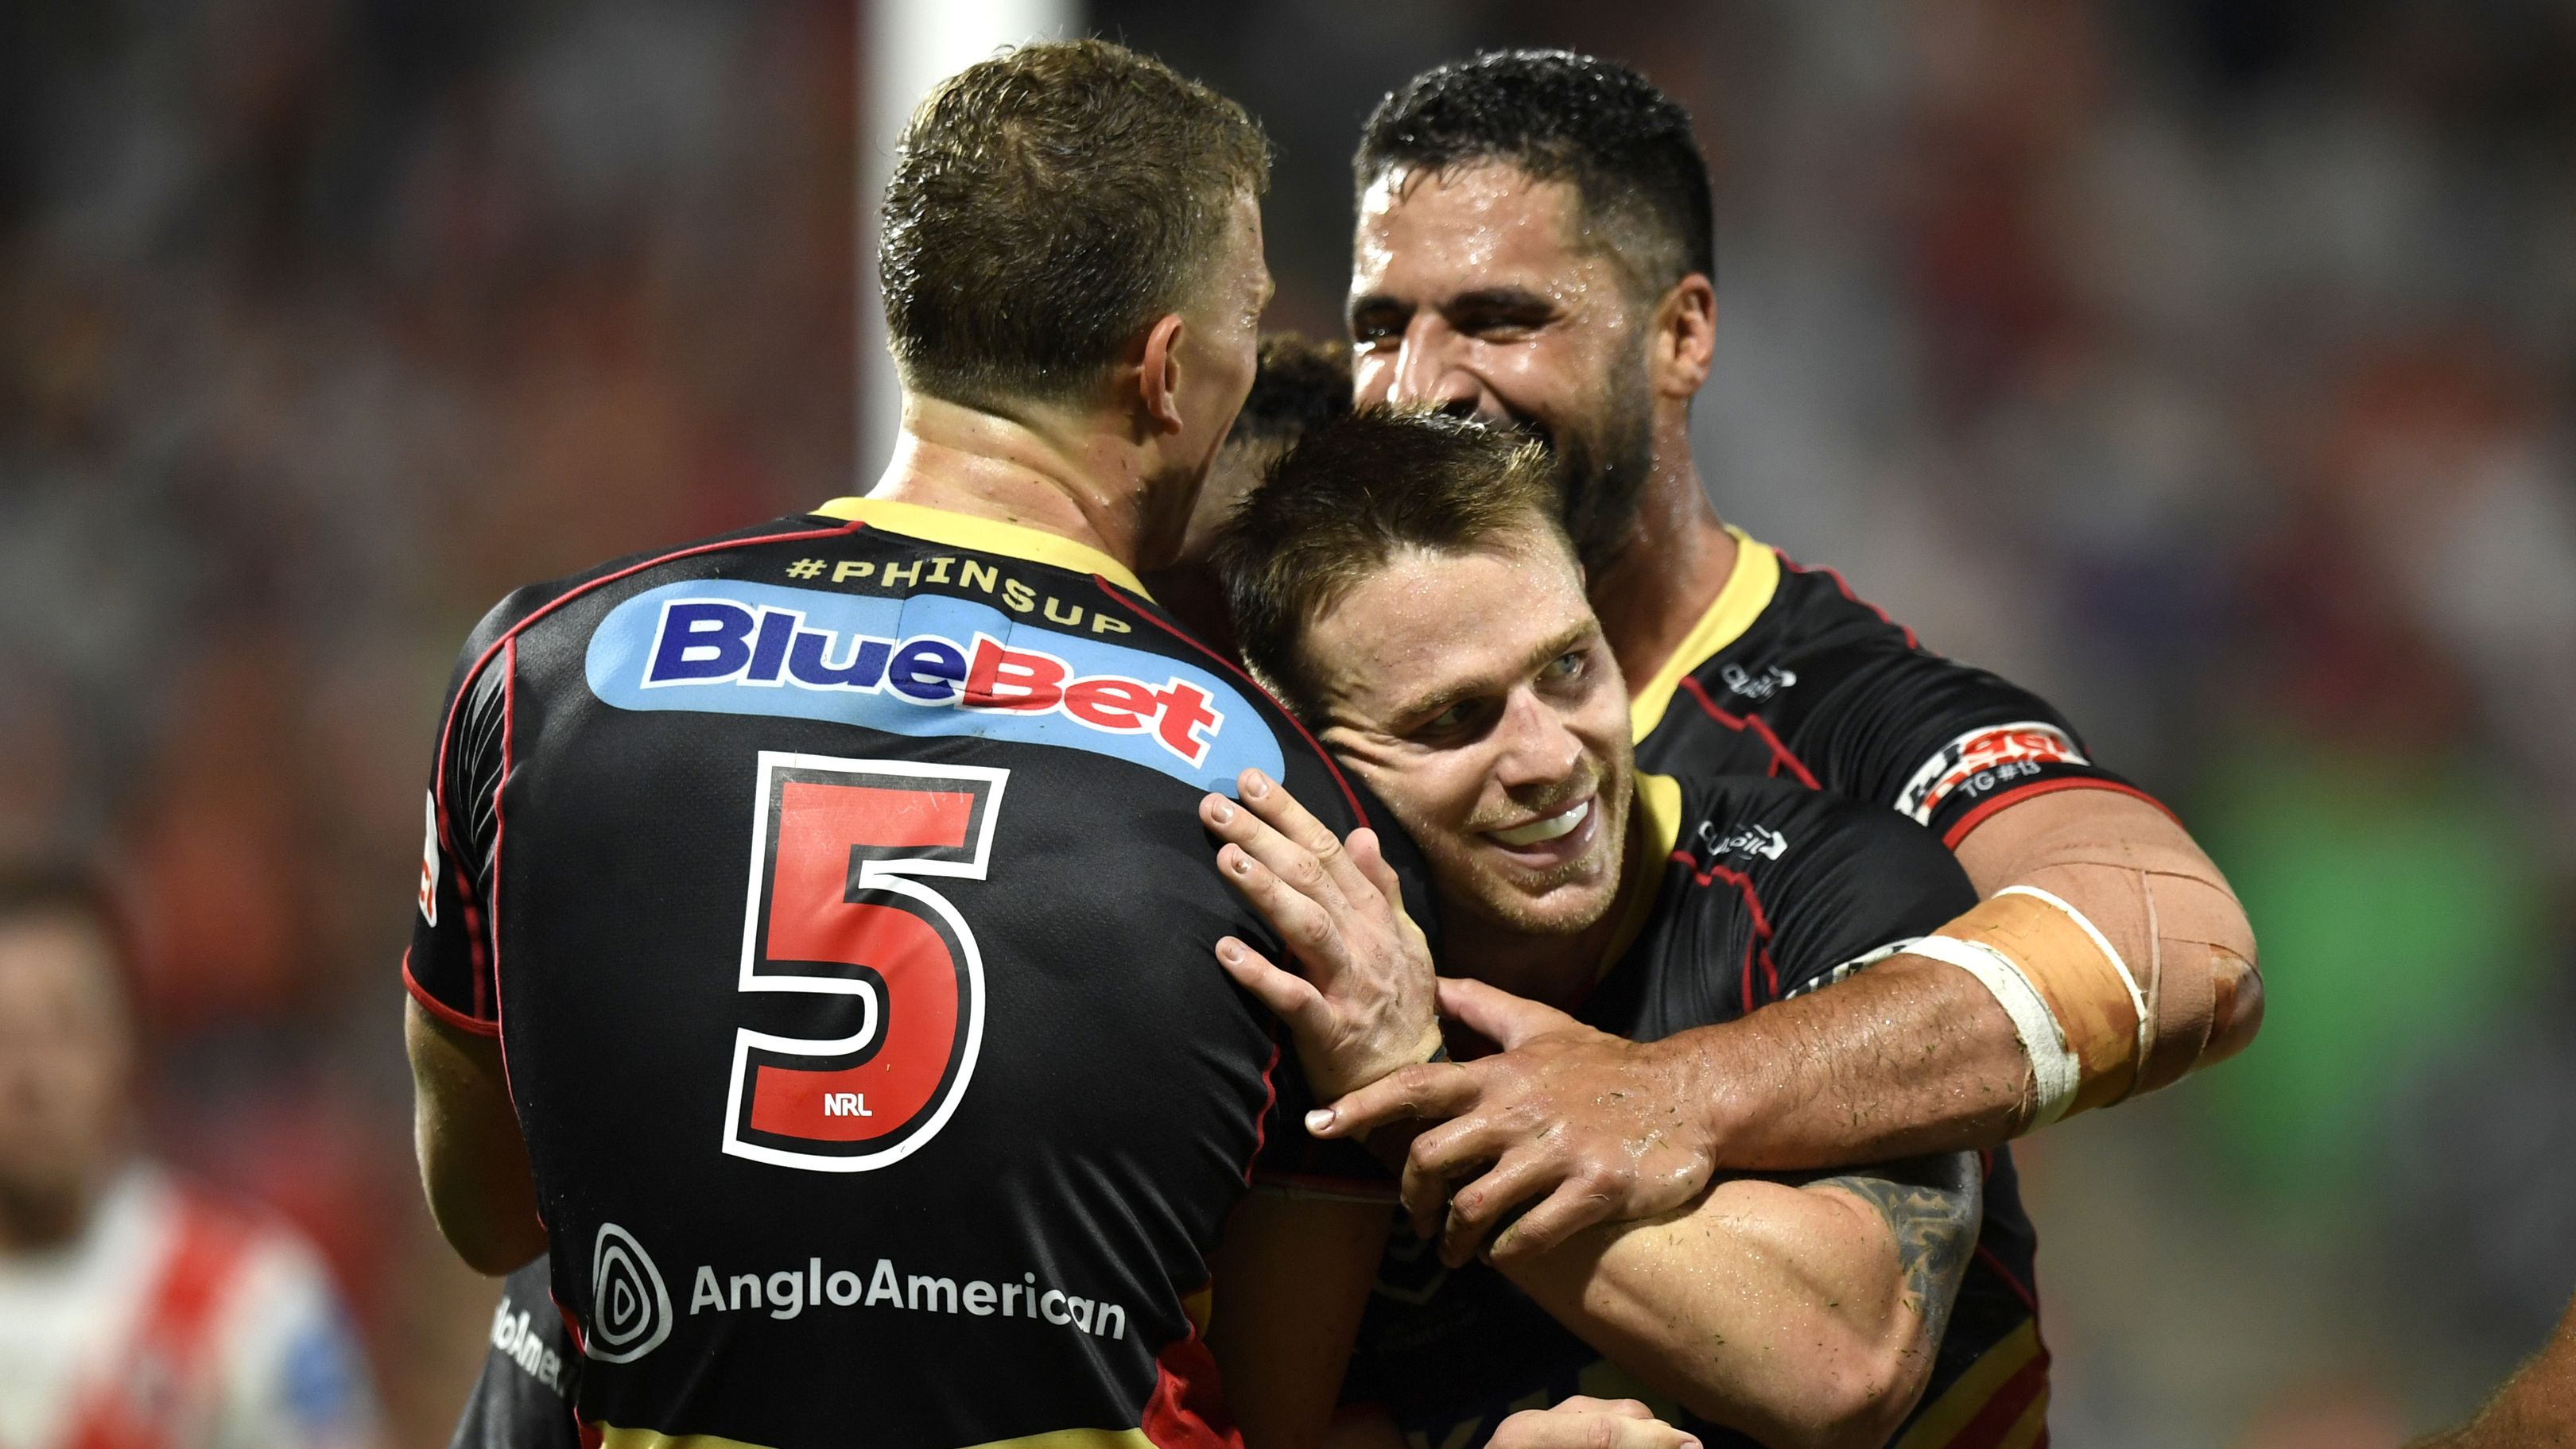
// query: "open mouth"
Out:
[1547,827]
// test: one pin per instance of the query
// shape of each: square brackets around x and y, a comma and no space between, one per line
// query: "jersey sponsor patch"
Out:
[926,665]
[1997,753]
[429,862]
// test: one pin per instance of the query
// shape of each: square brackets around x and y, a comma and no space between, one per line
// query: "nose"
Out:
[1427,374]
[1540,753]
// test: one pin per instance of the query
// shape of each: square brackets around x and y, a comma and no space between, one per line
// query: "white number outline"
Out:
[884,875]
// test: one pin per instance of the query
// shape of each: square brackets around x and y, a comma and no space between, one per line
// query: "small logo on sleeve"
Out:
[1986,759]
[429,863]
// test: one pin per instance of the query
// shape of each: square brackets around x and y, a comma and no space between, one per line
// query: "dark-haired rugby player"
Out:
[813,921]
[1405,583]
[1534,247]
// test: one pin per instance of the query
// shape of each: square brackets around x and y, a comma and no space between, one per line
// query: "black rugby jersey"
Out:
[1768,889]
[523,1399]
[837,893]
[1788,674]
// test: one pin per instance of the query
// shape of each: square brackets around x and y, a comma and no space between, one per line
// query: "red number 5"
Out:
[832,913]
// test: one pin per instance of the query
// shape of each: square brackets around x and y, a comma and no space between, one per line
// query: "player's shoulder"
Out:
[527,602]
[1813,606]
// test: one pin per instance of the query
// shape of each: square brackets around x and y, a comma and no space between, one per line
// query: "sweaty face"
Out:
[1218,352]
[1477,292]
[63,1059]
[1473,692]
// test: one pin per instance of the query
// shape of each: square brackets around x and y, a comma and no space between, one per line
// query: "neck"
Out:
[1671,568]
[1556,971]
[1036,471]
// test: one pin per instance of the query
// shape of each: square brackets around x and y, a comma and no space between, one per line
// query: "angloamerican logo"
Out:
[931,664]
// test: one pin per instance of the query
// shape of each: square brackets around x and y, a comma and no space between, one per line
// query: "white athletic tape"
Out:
[2055,1073]
[2137,998]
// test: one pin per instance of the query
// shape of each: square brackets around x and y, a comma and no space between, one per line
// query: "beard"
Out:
[1603,459]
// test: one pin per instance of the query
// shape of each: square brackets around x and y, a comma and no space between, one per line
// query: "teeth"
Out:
[1547,829]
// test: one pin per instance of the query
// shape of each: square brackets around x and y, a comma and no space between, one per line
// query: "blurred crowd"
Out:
[2204,364]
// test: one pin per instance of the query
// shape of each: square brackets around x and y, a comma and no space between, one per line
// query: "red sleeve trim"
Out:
[1974,818]
[1261,1119]
[441,1009]
[1359,817]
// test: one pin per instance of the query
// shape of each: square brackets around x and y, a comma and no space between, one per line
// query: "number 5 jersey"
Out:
[837,894]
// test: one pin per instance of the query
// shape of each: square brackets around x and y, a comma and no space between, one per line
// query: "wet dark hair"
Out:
[1344,498]
[1626,147]
[1046,207]
[1300,383]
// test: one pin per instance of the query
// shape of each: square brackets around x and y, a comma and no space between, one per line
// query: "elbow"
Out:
[494,1255]
[2236,991]
[1860,1405]
[1855,1392]
[490,1243]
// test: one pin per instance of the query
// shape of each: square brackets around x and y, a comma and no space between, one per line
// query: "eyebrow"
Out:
[1428,705]
[1499,299]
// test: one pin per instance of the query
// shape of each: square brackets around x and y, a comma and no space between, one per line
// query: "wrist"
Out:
[1714,1077]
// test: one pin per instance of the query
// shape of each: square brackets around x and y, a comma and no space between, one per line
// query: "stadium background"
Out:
[2204,365]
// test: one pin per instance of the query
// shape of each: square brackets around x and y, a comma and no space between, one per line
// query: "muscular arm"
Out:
[2140,878]
[1800,1315]
[1908,1057]
[1914,1056]
[473,1163]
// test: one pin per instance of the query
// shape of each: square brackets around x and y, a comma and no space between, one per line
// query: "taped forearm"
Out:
[2104,912]
[1776,1310]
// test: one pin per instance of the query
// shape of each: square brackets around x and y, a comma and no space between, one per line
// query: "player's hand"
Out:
[1364,1005]
[1602,1128]
[1584,1423]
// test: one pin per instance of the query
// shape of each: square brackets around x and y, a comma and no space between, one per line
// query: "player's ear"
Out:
[1685,338]
[1158,375]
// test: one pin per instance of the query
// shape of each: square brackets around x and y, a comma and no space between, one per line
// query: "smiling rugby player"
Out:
[1535,249]
[1405,584]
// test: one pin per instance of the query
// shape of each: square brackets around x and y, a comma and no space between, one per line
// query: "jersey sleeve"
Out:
[1857,884]
[1946,744]
[448,968]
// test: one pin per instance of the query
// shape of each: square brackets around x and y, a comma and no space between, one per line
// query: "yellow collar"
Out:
[986,535]
[1748,591]
[1659,804]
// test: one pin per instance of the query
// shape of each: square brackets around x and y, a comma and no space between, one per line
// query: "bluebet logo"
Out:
[927,665]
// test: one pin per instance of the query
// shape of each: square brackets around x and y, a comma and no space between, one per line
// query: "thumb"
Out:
[1497,1015]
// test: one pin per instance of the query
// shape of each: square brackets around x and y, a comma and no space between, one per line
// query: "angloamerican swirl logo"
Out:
[630,1309]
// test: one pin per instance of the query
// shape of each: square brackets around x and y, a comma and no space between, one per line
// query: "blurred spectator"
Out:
[137,1309]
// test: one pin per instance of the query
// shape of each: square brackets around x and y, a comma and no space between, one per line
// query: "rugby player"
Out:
[812,926]
[1534,247]
[1405,584]
[138,1310]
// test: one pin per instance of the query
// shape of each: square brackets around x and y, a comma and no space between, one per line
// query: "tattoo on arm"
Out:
[1933,1206]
